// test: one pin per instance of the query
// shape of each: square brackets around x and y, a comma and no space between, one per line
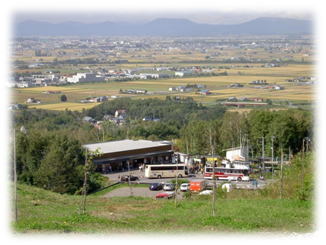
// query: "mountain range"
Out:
[164,27]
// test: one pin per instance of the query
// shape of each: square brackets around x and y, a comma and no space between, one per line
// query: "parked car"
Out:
[126,178]
[167,195]
[184,187]
[156,186]
[169,187]
[206,192]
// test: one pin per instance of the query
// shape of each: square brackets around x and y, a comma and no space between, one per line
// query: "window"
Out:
[161,168]
[209,170]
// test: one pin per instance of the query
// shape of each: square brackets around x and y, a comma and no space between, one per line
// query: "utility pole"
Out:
[273,148]
[85,183]
[214,165]
[273,155]
[263,154]
[281,189]
[24,131]
[211,142]
[176,184]
[308,142]
[187,146]
[15,177]
[214,192]
[302,165]
[130,187]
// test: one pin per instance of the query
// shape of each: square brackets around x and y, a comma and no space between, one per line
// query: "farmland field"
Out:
[218,85]
[64,106]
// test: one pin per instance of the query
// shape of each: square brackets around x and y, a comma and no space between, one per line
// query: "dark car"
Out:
[156,186]
[126,178]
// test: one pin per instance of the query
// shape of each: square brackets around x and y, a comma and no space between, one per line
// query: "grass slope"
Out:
[44,211]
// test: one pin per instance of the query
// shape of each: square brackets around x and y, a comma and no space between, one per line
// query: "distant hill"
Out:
[164,27]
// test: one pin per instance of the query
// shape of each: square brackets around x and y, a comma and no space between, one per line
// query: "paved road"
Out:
[125,192]
[136,191]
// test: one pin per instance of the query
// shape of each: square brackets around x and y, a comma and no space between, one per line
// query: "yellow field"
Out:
[298,70]
[64,106]
[48,88]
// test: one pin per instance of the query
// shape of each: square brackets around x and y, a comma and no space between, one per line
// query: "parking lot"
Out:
[138,191]
[145,192]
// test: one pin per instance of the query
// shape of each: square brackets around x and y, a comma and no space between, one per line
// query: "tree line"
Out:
[50,154]
[283,129]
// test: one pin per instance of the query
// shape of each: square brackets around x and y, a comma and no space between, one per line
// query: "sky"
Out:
[211,17]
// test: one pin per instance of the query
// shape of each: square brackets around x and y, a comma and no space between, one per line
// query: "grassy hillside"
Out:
[44,211]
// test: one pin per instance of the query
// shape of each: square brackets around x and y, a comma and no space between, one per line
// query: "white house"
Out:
[149,75]
[183,73]
[24,84]
[85,77]
[179,74]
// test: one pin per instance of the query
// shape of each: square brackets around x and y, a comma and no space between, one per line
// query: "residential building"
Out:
[85,77]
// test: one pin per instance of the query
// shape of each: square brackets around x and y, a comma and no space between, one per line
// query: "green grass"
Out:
[43,211]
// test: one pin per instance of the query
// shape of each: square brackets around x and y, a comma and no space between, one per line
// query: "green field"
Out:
[44,211]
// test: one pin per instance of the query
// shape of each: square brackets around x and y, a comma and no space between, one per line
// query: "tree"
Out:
[63,98]
[194,138]
[53,161]
[31,149]
[234,126]
[61,168]
[259,124]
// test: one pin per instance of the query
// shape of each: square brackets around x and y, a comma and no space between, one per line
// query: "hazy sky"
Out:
[213,17]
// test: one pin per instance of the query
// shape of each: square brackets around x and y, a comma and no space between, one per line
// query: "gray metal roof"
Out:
[124,145]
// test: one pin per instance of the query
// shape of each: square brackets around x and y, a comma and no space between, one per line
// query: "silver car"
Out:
[169,187]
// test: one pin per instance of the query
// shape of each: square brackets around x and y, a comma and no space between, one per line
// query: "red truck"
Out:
[197,185]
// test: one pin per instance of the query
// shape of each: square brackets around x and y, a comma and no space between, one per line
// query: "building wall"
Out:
[237,154]
[136,158]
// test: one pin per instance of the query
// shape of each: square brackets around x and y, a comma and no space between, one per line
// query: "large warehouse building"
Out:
[115,155]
